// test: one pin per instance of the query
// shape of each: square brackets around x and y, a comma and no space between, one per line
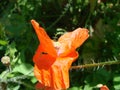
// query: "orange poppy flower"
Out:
[53,59]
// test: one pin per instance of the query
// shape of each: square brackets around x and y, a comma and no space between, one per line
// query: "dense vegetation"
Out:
[19,41]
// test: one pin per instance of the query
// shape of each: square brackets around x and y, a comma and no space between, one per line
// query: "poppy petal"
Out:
[57,76]
[45,41]
[45,54]
[72,40]
[40,86]
[104,87]
[52,71]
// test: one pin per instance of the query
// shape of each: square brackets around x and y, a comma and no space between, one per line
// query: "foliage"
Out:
[19,42]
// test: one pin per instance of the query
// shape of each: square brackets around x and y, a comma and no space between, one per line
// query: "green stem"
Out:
[23,83]
[88,19]
[95,64]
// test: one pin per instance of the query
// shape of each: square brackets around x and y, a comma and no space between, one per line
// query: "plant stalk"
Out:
[95,64]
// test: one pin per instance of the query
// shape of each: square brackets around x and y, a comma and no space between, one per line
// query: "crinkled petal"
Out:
[72,40]
[57,76]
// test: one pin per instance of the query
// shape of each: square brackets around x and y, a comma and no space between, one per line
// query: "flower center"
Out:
[56,45]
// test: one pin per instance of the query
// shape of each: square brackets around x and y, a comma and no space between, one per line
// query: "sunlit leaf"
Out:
[3,42]
[4,74]
[11,50]
[33,80]
[88,87]
[75,88]
[24,69]
[116,81]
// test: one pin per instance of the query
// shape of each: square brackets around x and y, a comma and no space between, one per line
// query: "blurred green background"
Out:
[19,41]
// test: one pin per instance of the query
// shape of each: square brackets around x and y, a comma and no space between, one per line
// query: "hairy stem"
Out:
[95,64]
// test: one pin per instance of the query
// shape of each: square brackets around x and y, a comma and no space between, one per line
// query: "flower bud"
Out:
[5,60]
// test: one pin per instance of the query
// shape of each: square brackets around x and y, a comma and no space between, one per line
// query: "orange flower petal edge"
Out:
[72,40]
[104,87]
[45,49]
[53,70]
[44,39]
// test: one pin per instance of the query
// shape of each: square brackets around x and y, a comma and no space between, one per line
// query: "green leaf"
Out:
[14,88]
[24,68]
[116,82]
[92,5]
[4,74]
[11,50]
[74,88]
[22,2]
[100,76]
[88,87]
[3,42]
[15,25]
[33,80]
